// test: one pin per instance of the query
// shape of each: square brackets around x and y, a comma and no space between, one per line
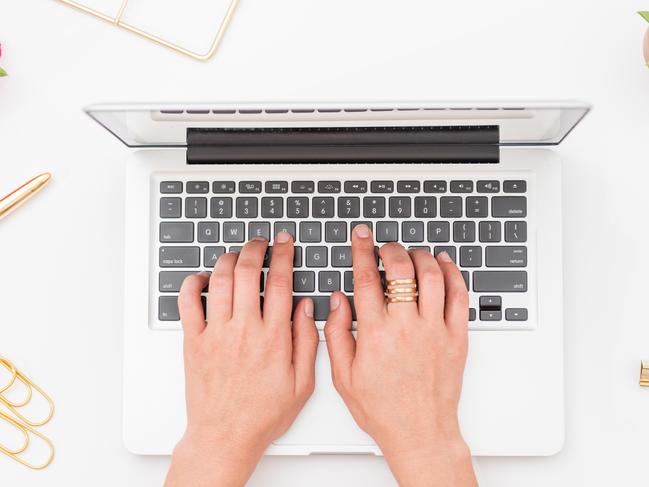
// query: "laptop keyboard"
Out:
[481,223]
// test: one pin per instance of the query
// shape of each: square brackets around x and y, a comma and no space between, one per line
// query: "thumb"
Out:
[340,341]
[305,347]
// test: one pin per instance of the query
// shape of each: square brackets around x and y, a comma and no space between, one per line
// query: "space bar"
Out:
[321,306]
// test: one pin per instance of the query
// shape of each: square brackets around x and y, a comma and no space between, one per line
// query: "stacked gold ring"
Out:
[402,291]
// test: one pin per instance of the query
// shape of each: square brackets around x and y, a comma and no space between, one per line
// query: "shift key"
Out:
[179,256]
[500,281]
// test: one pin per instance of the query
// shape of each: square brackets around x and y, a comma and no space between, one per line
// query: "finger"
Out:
[305,347]
[278,303]
[219,297]
[398,265]
[430,282]
[368,292]
[456,309]
[247,275]
[340,341]
[190,306]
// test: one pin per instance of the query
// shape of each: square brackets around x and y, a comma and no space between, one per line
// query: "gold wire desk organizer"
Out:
[119,22]
[23,425]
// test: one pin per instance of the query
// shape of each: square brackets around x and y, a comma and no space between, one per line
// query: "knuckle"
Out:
[246,269]
[430,276]
[365,278]
[280,281]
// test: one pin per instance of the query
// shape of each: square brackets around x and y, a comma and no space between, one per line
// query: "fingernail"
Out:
[260,239]
[282,237]
[334,302]
[362,231]
[444,257]
[204,274]
[308,308]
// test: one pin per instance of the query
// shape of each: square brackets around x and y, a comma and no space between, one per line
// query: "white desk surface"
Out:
[61,255]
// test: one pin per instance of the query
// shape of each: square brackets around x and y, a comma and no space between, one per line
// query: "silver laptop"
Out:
[473,179]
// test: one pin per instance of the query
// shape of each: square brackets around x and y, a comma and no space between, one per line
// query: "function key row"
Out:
[334,187]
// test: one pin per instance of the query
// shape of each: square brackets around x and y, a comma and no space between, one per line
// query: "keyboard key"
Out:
[177,232]
[179,257]
[211,255]
[297,256]
[506,256]
[477,207]
[489,232]
[399,207]
[515,232]
[321,306]
[341,256]
[285,227]
[304,281]
[461,186]
[235,249]
[349,207]
[336,232]
[247,187]
[488,186]
[516,314]
[425,248]
[195,207]
[465,276]
[234,232]
[223,187]
[310,232]
[302,187]
[170,207]
[412,232]
[221,207]
[268,256]
[349,281]
[449,250]
[323,207]
[272,207]
[247,207]
[171,187]
[500,281]
[491,315]
[197,187]
[515,186]
[450,207]
[387,231]
[382,186]
[168,308]
[276,187]
[491,302]
[208,232]
[435,187]
[329,186]
[259,229]
[472,314]
[509,206]
[316,256]
[425,207]
[471,256]
[329,281]
[464,231]
[439,231]
[297,207]
[374,207]
[171,281]
[355,186]
[408,187]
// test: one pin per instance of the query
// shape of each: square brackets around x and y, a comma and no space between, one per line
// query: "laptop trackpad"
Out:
[325,421]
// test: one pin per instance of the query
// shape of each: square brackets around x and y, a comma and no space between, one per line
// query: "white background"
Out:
[61,255]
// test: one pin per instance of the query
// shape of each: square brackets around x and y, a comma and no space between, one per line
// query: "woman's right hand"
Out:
[402,376]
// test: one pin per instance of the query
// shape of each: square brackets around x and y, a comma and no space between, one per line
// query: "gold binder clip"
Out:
[117,21]
[644,373]
[29,386]
[17,455]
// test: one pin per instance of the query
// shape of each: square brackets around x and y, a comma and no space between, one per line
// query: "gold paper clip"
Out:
[117,21]
[26,431]
[30,386]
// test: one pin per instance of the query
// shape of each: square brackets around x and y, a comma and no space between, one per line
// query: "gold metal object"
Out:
[24,426]
[644,373]
[118,22]
[398,282]
[17,198]
[402,299]
[401,291]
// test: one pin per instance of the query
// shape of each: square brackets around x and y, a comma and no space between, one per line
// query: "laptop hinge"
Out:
[451,144]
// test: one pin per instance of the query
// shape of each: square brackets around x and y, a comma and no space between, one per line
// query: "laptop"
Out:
[477,180]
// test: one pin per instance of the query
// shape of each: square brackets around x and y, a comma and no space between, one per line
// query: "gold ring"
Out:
[397,282]
[401,291]
[402,299]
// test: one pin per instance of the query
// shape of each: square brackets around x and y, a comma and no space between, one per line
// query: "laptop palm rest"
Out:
[325,420]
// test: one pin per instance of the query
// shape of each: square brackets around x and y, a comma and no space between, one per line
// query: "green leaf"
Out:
[2,73]
[645,15]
